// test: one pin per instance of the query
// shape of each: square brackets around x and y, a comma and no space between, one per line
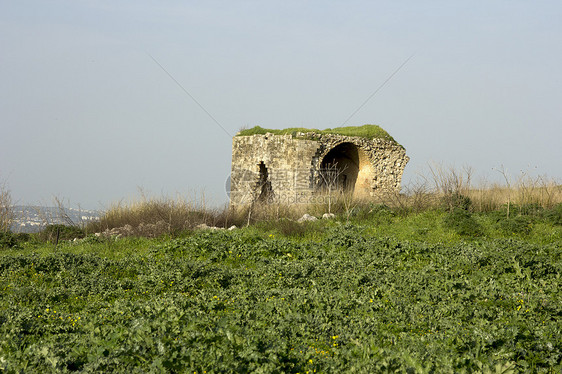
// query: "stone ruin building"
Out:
[302,166]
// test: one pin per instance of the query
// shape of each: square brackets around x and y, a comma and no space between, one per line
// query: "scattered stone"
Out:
[306,217]
[233,227]
[204,226]
[328,216]
[152,229]
[126,230]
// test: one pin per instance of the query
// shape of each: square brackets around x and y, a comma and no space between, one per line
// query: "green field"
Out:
[419,293]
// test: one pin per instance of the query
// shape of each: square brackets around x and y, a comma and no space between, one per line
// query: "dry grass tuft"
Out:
[539,191]
[151,216]
[6,211]
[449,188]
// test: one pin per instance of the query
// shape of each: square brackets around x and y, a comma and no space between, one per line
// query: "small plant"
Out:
[516,225]
[344,235]
[452,185]
[554,215]
[330,182]
[289,227]
[378,213]
[8,240]
[462,222]
[454,201]
[531,209]
[12,240]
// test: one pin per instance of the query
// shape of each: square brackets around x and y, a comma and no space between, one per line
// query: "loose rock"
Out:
[306,217]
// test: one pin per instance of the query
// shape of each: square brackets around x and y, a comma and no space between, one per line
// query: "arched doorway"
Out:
[340,167]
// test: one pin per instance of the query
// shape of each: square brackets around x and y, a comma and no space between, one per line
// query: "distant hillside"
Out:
[33,218]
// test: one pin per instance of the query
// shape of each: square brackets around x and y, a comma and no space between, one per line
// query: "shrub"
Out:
[23,237]
[380,213]
[532,209]
[516,225]
[462,222]
[8,240]
[454,201]
[554,215]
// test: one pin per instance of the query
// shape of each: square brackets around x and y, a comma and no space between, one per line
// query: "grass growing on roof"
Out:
[365,131]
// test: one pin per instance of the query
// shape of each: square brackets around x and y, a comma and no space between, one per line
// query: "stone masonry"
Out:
[303,167]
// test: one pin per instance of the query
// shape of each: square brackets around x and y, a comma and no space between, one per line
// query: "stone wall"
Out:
[289,169]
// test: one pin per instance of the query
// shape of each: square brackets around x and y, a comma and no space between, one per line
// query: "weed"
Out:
[516,225]
[284,226]
[8,240]
[462,222]
[554,215]
[455,200]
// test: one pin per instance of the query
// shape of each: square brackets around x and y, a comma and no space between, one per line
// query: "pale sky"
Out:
[86,115]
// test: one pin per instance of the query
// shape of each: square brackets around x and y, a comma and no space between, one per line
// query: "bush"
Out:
[517,225]
[8,240]
[381,213]
[462,222]
[554,215]
[454,201]
[532,209]
[23,237]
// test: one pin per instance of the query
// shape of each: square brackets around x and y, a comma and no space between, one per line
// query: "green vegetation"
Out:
[365,131]
[373,291]
[451,279]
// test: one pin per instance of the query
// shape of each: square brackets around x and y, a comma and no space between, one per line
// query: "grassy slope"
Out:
[381,293]
[365,131]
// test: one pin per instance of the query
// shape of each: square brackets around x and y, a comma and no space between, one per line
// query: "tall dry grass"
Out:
[6,210]
[155,216]
[440,188]
[539,191]
[447,187]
